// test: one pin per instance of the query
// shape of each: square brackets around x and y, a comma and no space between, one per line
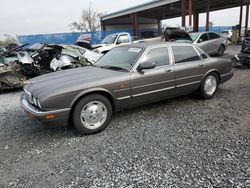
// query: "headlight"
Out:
[39,104]
[35,101]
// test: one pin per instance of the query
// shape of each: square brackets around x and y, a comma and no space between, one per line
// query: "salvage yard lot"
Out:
[181,142]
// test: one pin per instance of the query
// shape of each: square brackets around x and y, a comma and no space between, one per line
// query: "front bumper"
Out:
[60,117]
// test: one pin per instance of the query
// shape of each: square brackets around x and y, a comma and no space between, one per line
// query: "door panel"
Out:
[188,76]
[152,85]
[189,69]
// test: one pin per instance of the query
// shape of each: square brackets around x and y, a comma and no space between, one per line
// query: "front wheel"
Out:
[209,86]
[92,114]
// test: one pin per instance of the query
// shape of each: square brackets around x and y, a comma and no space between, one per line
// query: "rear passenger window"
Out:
[204,37]
[158,55]
[213,36]
[184,54]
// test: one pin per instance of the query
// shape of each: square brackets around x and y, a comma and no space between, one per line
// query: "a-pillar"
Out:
[134,18]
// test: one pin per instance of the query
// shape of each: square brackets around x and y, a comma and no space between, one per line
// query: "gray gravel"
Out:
[183,142]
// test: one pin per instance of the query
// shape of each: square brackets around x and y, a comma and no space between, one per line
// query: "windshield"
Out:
[110,39]
[194,36]
[119,58]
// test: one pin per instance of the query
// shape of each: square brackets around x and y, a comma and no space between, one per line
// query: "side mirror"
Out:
[146,65]
[200,40]
[118,42]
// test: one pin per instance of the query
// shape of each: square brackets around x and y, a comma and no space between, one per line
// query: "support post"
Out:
[103,26]
[196,21]
[208,12]
[190,5]
[183,13]
[135,24]
[159,27]
[247,17]
[240,21]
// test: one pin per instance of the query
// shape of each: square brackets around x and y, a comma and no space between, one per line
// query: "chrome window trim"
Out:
[186,61]
[138,62]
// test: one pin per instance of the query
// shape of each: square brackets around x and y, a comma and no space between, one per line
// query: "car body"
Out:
[126,77]
[113,40]
[212,43]
[227,33]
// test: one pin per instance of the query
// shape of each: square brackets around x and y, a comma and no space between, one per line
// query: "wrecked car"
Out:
[11,77]
[242,60]
[40,59]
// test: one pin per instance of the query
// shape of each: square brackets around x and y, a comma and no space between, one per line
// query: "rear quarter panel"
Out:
[220,65]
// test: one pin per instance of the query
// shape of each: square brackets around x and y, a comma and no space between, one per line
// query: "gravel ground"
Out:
[183,142]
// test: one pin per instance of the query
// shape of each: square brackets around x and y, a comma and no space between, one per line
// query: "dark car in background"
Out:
[126,77]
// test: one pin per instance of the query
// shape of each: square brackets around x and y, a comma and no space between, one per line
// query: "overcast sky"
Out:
[53,16]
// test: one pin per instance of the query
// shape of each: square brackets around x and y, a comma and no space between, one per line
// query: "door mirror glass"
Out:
[146,65]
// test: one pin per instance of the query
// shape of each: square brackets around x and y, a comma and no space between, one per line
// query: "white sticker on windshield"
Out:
[137,50]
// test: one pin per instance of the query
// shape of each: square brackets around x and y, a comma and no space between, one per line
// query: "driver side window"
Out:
[159,56]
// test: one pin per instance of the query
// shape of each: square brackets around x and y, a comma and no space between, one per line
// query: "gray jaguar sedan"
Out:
[125,77]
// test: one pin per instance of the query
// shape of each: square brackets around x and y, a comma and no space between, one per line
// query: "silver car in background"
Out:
[210,42]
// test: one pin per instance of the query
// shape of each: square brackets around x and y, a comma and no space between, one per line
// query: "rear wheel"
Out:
[209,86]
[221,50]
[92,114]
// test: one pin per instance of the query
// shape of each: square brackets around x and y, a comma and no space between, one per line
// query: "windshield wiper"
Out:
[114,68]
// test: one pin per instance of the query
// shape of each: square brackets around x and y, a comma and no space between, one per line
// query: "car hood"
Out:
[72,80]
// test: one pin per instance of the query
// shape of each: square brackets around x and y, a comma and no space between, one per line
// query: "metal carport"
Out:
[150,14]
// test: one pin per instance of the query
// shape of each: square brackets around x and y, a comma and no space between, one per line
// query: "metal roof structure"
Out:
[165,9]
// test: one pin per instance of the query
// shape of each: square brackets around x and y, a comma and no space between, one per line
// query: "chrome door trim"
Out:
[188,84]
[155,91]
[153,84]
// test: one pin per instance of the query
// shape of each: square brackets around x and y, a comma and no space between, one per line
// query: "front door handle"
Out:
[201,65]
[169,70]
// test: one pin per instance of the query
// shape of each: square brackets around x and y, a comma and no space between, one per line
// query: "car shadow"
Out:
[6,91]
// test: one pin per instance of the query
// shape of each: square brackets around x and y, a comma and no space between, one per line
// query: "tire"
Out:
[221,50]
[204,91]
[92,114]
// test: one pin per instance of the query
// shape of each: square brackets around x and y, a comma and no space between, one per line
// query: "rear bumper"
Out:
[60,116]
[226,77]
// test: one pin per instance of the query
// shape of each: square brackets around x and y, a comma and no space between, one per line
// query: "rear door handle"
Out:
[201,65]
[169,70]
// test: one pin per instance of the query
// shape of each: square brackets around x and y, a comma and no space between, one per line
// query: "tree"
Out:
[89,21]
[8,40]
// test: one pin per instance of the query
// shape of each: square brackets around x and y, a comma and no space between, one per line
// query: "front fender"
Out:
[91,90]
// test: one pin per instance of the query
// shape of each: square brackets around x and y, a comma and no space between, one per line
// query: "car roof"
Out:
[155,44]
